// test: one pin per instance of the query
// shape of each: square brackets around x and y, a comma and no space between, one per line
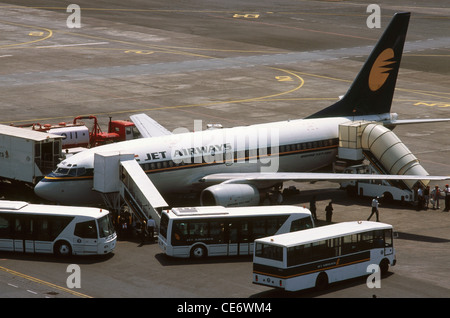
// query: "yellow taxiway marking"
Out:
[33,33]
[43,282]
[246,100]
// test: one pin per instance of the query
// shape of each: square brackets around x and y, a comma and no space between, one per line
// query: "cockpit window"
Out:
[73,172]
[62,171]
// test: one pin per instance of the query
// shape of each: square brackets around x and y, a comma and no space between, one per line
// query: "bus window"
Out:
[259,229]
[5,229]
[269,251]
[244,232]
[233,232]
[42,230]
[272,226]
[197,231]
[378,238]
[163,225]
[301,224]
[216,231]
[17,226]
[179,233]
[86,229]
[294,255]
[388,238]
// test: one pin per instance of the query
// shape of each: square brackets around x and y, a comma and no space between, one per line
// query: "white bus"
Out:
[214,231]
[62,230]
[327,254]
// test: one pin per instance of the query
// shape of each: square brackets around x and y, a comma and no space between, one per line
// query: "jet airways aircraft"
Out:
[232,166]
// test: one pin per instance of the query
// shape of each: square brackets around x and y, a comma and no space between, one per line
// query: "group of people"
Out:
[433,196]
[425,197]
[328,210]
[126,226]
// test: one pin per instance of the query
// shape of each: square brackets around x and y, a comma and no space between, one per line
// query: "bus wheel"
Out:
[62,248]
[322,281]
[384,266]
[198,251]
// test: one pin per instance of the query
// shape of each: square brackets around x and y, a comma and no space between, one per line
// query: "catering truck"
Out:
[27,155]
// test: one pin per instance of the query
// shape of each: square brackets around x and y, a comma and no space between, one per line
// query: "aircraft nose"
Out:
[44,190]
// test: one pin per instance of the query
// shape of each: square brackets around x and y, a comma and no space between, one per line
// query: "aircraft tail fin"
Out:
[372,90]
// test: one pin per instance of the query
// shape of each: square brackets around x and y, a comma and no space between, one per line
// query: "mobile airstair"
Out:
[120,180]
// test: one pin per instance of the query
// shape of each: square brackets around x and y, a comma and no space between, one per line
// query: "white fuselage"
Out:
[175,163]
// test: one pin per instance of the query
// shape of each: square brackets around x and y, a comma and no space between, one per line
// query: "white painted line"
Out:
[5,55]
[30,291]
[13,285]
[66,45]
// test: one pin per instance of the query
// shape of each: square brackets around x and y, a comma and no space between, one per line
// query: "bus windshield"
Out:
[105,226]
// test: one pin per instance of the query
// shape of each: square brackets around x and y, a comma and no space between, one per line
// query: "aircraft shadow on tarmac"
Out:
[419,238]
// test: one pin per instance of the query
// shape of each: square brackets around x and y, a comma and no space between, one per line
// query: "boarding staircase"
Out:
[119,178]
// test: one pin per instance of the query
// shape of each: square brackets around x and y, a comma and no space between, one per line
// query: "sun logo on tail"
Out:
[380,69]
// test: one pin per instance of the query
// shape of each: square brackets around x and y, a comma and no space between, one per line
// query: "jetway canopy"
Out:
[390,152]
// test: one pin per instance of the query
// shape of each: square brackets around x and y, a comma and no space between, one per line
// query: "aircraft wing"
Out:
[309,177]
[397,122]
[148,127]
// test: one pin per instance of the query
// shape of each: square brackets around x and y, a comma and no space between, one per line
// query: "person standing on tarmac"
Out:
[313,208]
[435,196]
[447,198]
[374,209]
[329,211]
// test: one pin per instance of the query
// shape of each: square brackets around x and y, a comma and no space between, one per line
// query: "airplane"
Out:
[234,166]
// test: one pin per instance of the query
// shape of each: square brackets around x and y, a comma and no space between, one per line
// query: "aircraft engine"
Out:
[230,195]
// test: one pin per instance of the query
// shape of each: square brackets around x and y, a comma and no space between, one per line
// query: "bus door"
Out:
[232,238]
[238,240]
[245,245]
[23,235]
[388,244]
[28,231]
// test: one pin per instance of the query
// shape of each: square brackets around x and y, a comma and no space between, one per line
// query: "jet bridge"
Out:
[120,177]
[385,151]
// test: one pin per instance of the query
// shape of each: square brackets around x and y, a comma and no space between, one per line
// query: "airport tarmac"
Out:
[234,63]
